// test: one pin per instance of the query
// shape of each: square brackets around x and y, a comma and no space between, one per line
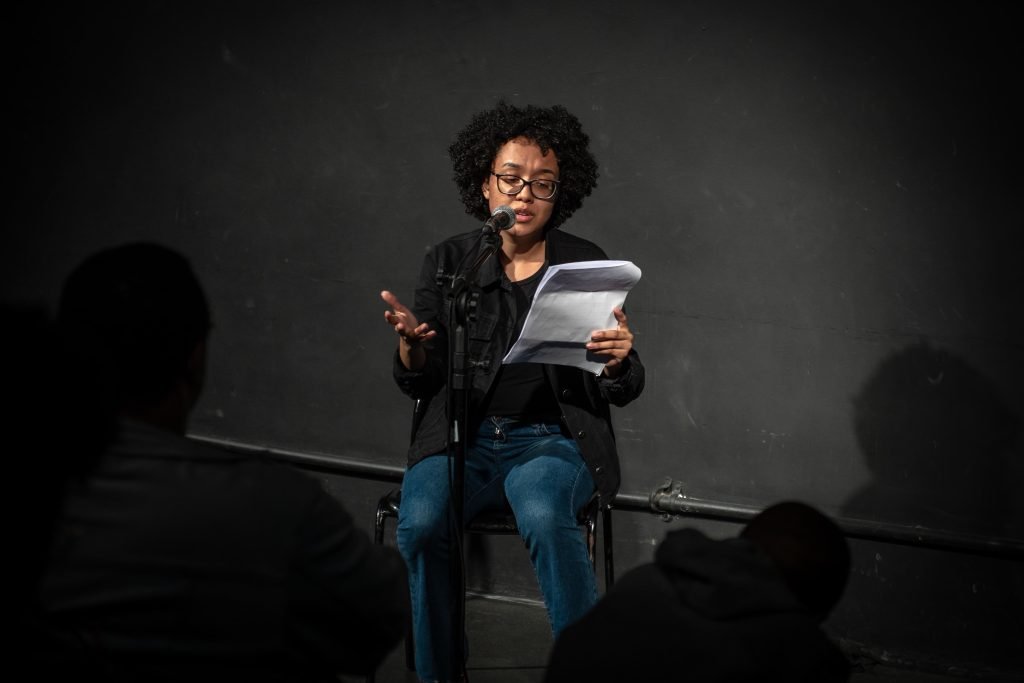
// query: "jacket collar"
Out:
[490,272]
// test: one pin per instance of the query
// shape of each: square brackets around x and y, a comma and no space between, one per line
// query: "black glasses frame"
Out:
[527,183]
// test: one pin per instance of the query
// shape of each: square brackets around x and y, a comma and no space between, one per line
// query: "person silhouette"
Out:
[176,561]
[56,423]
[740,609]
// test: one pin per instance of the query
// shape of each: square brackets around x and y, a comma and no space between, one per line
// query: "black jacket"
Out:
[582,397]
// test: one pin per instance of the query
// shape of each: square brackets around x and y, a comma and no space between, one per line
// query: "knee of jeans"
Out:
[539,519]
[420,523]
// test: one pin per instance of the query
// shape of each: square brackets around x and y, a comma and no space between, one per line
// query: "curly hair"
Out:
[551,128]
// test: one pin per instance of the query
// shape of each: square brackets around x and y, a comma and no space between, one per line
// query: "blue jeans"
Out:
[541,473]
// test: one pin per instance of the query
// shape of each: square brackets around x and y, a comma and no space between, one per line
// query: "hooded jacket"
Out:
[705,611]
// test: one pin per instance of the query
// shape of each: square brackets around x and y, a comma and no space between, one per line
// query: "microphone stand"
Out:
[461,307]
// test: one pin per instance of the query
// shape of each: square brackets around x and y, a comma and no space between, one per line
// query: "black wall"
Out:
[824,199]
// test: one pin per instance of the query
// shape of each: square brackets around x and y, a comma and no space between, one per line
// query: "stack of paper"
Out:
[572,301]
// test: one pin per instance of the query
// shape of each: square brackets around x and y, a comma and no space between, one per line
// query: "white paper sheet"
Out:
[572,301]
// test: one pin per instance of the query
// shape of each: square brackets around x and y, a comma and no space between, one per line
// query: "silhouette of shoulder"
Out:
[230,557]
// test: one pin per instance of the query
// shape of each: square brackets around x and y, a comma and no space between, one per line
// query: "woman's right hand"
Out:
[411,333]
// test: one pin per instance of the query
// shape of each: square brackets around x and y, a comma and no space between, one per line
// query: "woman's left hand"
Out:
[614,343]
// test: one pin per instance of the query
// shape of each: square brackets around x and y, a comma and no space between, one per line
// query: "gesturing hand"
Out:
[613,343]
[409,330]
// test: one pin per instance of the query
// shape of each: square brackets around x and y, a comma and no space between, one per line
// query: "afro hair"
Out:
[551,128]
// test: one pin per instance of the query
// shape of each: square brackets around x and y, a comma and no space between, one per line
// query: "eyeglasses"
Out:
[542,188]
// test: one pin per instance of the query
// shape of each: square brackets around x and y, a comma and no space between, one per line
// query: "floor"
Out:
[509,643]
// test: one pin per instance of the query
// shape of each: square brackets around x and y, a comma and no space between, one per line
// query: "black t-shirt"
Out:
[522,389]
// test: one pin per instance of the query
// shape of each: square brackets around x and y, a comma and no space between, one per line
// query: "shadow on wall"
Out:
[937,439]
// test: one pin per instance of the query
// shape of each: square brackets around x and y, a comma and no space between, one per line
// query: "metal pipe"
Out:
[667,499]
[671,499]
[363,468]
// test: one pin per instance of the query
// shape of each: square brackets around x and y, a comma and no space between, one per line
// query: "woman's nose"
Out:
[525,193]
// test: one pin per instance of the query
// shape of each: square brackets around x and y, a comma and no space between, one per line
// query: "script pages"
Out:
[572,301]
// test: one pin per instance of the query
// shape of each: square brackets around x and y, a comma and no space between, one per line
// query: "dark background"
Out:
[824,199]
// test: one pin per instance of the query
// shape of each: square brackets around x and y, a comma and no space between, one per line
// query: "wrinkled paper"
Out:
[572,301]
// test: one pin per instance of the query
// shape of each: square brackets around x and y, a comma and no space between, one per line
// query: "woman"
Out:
[540,435]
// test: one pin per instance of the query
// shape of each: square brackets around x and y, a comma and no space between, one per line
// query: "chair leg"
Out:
[388,507]
[410,646]
[591,532]
[609,568]
[378,525]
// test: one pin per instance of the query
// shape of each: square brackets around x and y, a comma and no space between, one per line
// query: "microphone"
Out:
[503,218]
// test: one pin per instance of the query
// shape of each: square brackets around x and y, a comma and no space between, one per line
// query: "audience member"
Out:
[739,609]
[56,422]
[173,560]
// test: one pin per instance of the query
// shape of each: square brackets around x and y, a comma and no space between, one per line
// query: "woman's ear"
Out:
[485,188]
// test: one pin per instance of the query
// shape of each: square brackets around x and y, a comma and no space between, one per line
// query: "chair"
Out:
[501,522]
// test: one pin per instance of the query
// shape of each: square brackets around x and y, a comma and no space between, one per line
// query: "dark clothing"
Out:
[176,561]
[521,390]
[704,611]
[582,397]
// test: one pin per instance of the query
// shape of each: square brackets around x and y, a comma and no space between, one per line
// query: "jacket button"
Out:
[581,434]
[566,394]
[599,469]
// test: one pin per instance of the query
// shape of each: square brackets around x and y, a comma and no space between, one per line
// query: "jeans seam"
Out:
[575,483]
[483,488]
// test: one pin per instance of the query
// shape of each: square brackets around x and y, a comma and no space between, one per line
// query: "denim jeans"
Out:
[541,473]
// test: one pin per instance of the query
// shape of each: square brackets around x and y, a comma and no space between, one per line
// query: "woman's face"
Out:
[520,157]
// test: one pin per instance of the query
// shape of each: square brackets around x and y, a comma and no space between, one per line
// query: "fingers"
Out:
[617,347]
[621,329]
[615,343]
[400,316]
[395,320]
[423,332]
[620,332]
[405,328]
[393,302]
[410,330]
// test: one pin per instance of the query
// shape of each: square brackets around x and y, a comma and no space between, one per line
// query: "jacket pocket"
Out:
[481,336]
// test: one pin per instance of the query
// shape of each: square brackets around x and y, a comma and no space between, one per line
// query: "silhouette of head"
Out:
[140,306]
[808,548]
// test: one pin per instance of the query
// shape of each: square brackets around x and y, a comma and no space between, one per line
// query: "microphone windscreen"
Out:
[504,217]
